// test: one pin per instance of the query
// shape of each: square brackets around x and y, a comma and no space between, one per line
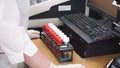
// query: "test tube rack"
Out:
[57,42]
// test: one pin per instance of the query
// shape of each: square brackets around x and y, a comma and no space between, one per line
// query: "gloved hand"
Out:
[67,66]
[33,34]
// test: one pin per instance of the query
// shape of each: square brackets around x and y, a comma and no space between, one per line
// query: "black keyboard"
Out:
[92,28]
[89,37]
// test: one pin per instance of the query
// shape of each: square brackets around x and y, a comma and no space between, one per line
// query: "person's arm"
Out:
[37,61]
[40,61]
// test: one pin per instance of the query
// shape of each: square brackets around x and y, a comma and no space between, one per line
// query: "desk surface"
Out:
[92,62]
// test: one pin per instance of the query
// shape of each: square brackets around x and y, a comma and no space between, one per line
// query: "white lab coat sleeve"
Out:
[15,42]
[30,48]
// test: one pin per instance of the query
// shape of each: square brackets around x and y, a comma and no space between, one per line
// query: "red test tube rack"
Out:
[57,42]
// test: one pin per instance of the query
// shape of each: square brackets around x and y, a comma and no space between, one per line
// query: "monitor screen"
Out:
[104,8]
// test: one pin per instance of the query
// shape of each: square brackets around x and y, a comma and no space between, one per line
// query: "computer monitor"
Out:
[105,8]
